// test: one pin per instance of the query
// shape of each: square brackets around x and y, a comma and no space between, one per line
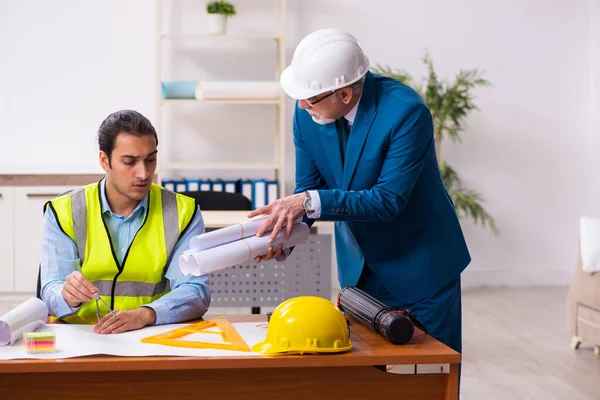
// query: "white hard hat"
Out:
[325,60]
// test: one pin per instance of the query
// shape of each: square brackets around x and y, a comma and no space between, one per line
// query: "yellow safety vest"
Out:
[140,279]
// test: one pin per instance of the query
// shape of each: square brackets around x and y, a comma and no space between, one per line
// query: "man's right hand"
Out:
[77,289]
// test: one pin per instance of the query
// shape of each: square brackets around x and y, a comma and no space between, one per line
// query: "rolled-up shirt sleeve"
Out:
[59,258]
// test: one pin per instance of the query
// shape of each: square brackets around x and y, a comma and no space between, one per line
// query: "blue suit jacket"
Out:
[388,200]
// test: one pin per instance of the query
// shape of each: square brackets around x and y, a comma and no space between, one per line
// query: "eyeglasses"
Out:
[313,102]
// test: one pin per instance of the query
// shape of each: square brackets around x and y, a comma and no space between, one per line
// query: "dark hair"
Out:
[127,121]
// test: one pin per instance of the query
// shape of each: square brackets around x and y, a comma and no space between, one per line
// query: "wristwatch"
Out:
[308,203]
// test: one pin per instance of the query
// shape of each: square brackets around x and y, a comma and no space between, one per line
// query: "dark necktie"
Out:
[344,133]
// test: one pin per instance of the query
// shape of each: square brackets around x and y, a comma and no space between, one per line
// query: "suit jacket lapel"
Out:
[367,109]
[331,144]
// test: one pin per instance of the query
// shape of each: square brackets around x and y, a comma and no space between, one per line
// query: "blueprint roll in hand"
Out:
[228,234]
[237,252]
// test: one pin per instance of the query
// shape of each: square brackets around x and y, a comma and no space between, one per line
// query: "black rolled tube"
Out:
[391,324]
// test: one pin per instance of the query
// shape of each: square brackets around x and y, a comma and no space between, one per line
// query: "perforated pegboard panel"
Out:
[306,272]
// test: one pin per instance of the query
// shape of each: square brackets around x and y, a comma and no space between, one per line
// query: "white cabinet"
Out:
[7,277]
[28,211]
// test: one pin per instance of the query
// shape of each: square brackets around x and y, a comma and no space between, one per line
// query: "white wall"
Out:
[594,110]
[530,151]
[64,66]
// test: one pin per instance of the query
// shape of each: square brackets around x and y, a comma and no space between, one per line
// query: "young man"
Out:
[365,158]
[121,238]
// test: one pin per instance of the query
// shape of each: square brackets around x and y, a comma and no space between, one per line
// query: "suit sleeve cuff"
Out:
[316,204]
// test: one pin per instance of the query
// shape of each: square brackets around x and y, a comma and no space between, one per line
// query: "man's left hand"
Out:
[125,321]
[271,254]
[286,210]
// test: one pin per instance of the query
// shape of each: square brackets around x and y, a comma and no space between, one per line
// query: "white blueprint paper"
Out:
[237,252]
[80,340]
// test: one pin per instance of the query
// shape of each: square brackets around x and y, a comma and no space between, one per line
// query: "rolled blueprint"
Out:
[248,90]
[240,251]
[227,235]
[26,317]
[183,264]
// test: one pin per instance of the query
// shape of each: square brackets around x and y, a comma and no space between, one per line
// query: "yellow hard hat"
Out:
[306,324]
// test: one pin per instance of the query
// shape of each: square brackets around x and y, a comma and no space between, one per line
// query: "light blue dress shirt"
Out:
[189,297]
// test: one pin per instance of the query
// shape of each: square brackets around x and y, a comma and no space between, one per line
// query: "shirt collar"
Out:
[352,114]
[143,205]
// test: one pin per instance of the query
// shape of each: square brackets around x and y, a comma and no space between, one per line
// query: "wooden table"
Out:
[345,376]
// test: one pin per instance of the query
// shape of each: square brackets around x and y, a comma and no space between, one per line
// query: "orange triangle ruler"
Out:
[228,333]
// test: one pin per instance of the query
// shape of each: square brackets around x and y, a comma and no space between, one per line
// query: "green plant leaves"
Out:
[450,104]
[221,7]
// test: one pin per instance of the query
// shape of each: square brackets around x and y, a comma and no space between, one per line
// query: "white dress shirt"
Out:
[314,195]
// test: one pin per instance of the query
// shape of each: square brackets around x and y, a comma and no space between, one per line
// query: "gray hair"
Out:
[357,87]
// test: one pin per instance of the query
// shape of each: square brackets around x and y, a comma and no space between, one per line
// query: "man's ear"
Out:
[346,95]
[104,161]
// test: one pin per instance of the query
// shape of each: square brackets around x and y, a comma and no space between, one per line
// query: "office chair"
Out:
[220,201]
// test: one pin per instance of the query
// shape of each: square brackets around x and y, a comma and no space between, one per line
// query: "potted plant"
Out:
[218,12]
[450,103]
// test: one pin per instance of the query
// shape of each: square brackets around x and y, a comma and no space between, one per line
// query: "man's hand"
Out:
[126,321]
[270,254]
[286,210]
[77,289]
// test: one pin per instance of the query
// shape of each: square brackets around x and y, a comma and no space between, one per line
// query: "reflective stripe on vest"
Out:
[136,289]
[141,277]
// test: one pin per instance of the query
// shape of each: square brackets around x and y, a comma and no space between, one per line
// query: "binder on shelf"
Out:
[205,186]
[259,193]
[217,186]
[247,188]
[230,187]
[272,191]
[193,185]
[170,185]
[180,186]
